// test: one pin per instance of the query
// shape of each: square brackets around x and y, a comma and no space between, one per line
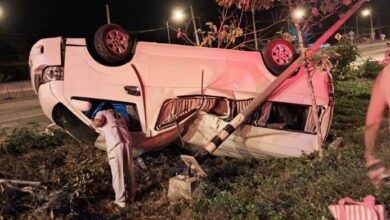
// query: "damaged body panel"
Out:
[212,86]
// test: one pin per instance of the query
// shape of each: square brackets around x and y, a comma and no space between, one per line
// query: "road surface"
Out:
[374,51]
[22,112]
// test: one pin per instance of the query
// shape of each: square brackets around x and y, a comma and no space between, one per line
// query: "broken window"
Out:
[175,110]
[275,115]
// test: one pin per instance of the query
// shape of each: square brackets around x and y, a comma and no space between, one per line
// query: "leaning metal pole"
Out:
[194,26]
[237,121]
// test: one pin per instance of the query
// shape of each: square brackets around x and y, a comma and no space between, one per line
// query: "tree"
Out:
[229,33]
[233,32]
[249,5]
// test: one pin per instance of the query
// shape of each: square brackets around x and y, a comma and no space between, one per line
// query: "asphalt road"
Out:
[22,112]
[374,51]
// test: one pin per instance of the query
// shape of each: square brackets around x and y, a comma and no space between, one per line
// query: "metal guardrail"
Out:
[16,90]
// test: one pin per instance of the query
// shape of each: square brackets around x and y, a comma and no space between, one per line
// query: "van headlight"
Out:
[52,73]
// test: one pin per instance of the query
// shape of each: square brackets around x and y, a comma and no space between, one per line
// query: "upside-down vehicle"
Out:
[258,104]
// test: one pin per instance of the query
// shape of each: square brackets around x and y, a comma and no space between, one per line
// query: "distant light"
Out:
[178,15]
[366,12]
[298,14]
[1,12]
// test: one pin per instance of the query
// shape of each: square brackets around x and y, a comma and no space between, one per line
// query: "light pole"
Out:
[372,26]
[169,37]
[177,16]
[108,14]
[368,12]
[357,29]
[194,24]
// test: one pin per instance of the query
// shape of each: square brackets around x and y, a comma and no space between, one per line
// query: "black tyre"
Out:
[278,54]
[112,43]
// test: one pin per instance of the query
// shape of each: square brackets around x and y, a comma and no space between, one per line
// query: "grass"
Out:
[77,178]
[26,140]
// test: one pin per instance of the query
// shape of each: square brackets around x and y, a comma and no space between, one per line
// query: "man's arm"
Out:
[98,121]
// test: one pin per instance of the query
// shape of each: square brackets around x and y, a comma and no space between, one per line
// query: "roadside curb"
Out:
[16,90]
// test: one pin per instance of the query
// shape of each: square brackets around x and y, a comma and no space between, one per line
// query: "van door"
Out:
[85,78]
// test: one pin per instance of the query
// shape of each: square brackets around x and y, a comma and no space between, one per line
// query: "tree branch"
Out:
[23,182]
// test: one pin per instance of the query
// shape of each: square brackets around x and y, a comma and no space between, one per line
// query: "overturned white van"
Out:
[172,90]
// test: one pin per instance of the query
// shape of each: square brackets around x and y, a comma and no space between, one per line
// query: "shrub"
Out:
[369,69]
[342,63]
[24,140]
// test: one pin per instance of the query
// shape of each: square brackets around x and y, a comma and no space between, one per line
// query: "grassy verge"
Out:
[296,188]
[76,178]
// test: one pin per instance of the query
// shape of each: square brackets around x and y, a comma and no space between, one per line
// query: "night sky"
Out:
[26,21]
[46,18]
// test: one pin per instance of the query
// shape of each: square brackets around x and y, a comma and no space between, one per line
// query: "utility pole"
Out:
[108,13]
[169,37]
[254,29]
[372,26]
[357,28]
[194,24]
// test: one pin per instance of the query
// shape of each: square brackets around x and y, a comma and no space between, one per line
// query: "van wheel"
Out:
[278,55]
[112,44]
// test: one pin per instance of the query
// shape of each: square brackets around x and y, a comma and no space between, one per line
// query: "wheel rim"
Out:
[117,41]
[282,54]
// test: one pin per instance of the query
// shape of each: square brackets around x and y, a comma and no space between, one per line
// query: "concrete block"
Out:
[182,187]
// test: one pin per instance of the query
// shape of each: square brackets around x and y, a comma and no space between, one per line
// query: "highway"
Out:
[22,112]
[374,51]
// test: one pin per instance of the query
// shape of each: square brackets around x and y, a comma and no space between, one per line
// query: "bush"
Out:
[369,69]
[24,140]
[344,67]
[346,55]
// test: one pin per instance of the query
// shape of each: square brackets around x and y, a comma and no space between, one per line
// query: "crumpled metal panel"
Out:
[169,71]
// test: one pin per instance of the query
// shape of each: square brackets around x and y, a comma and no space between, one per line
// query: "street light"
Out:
[178,15]
[1,12]
[365,12]
[368,12]
[298,14]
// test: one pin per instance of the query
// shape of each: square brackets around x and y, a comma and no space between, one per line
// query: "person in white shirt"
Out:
[119,151]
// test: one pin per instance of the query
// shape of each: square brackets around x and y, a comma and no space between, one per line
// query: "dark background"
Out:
[26,21]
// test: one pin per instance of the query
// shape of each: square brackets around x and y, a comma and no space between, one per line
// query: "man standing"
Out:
[380,100]
[119,151]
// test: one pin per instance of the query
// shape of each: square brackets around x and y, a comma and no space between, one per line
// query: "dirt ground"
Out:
[76,184]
